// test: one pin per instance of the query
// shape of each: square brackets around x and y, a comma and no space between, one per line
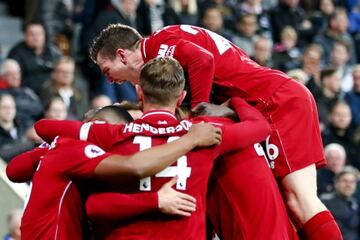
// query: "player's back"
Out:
[192,170]
[54,209]
[235,73]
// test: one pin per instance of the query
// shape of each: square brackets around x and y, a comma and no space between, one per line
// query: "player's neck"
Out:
[154,107]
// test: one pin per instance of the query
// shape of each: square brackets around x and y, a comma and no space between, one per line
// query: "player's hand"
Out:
[173,202]
[208,109]
[204,134]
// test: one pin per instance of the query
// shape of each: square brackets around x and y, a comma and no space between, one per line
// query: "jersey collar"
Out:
[159,117]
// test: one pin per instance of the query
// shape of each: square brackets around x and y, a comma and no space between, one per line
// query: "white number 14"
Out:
[181,170]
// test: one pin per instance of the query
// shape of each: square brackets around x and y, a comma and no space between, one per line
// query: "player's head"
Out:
[112,114]
[162,83]
[116,51]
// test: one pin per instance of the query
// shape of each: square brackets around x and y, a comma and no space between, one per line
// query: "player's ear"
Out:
[139,93]
[121,53]
[181,98]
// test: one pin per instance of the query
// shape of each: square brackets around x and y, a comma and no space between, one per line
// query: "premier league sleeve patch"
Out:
[93,151]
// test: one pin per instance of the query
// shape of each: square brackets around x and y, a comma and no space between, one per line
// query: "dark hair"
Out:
[162,80]
[118,114]
[113,37]
[326,72]
[31,23]
[49,102]
[346,170]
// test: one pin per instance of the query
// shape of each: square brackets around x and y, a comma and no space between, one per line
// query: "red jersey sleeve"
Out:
[74,158]
[200,66]
[102,134]
[119,206]
[48,129]
[22,167]
[253,127]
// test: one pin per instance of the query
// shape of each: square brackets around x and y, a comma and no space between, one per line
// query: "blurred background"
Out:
[45,72]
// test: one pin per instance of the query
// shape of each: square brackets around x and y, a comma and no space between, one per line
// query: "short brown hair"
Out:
[326,72]
[162,80]
[113,37]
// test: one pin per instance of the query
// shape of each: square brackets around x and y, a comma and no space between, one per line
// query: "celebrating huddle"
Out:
[159,177]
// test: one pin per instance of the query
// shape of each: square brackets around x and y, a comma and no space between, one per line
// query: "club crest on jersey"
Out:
[166,51]
[92,151]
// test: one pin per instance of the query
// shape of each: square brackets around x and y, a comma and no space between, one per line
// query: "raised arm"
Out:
[138,165]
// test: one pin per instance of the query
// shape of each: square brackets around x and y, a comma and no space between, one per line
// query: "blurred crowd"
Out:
[317,42]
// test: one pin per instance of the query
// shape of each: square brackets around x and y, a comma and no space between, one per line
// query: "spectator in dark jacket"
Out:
[340,131]
[353,97]
[154,15]
[62,85]
[343,205]
[12,132]
[336,158]
[337,31]
[35,56]
[28,105]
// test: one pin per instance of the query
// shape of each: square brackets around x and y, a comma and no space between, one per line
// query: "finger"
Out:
[187,197]
[187,209]
[187,204]
[182,213]
[171,182]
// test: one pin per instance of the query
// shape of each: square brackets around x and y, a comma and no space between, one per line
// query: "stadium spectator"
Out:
[299,75]
[328,94]
[154,15]
[13,139]
[55,109]
[213,21]
[289,13]
[343,205]
[245,34]
[13,225]
[57,19]
[311,64]
[35,56]
[320,18]
[339,58]
[62,84]
[263,52]
[187,11]
[353,97]
[337,31]
[286,54]
[255,7]
[100,101]
[28,105]
[340,131]
[118,11]
[336,158]
[226,8]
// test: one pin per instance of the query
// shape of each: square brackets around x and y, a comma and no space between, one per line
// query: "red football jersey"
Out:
[54,209]
[211,60]
[193,170]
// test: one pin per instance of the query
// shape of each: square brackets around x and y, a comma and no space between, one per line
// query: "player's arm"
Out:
[22,167]
[48,129]
[200,66]
[153,160]
[118,206]
[252,128]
